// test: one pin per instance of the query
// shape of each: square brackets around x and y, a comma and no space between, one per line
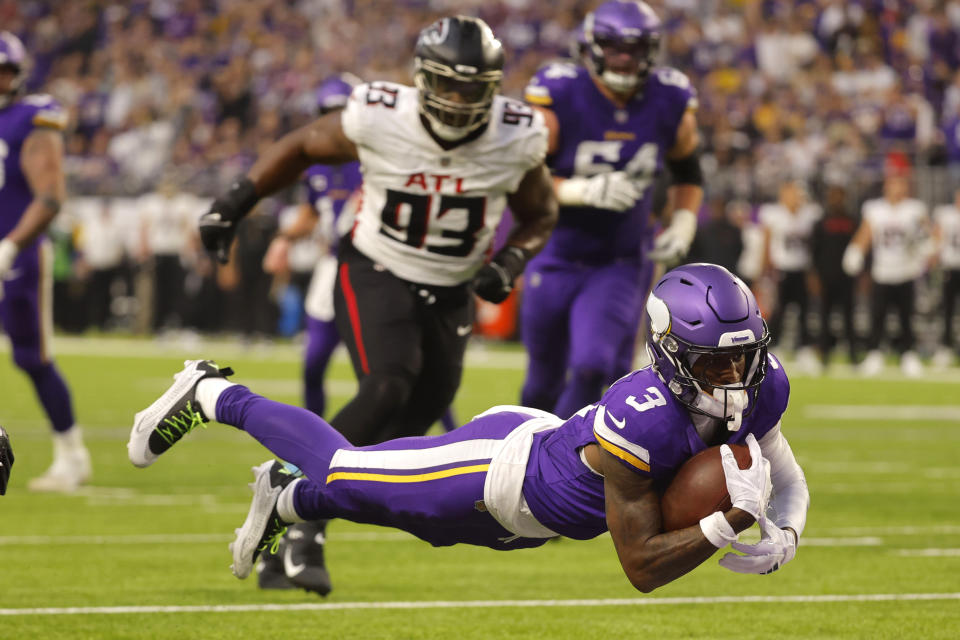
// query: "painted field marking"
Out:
[485,604]
[895,413]
[930,553]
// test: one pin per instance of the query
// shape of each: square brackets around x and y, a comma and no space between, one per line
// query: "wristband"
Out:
[570,191]
[240,199]
[717,530]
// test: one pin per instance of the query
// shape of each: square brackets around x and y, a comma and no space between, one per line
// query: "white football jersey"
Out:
[947,218]
[898,239]
[790,234]
[428,215]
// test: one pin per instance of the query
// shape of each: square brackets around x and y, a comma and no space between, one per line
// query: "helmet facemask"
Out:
[642,51]
[450,118]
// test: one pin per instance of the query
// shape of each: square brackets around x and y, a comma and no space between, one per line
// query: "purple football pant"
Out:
[26,316]
[579,324]
[430,486]
[322,339]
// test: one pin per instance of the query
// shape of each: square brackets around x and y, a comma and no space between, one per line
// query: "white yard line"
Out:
[486,604]
[930,553]
[896,413]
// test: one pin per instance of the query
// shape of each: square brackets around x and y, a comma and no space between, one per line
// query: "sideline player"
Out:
[439,163]
[614,123]
[32,190]
[514,477]
[893,228]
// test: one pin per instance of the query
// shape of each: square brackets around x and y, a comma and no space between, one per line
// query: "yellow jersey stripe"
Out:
[56,120]
[623,454]
[544,101]
[420,477]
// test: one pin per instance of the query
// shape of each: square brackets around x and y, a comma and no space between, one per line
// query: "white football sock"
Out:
[208,392]
[285,504]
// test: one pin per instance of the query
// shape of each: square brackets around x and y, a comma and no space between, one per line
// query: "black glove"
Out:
[218,225]
[494,281]
[6,460]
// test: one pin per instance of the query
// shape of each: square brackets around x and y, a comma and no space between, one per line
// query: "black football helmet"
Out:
[458,70]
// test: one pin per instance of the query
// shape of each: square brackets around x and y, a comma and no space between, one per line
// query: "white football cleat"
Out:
[872,365]
[175,414]
[71,465]
[263,527]
[910,364]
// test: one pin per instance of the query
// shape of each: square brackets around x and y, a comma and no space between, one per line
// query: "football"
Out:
[699,488]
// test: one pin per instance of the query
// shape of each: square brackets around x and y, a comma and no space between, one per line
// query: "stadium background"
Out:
[175,98]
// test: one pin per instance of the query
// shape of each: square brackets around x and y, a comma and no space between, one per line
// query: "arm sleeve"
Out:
[791,498]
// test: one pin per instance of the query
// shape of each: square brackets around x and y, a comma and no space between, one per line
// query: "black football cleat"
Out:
[303,560]
[269,569]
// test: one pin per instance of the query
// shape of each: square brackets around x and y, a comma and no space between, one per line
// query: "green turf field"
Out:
[143,553]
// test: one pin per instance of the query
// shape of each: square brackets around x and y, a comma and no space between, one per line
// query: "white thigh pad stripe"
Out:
[406,459]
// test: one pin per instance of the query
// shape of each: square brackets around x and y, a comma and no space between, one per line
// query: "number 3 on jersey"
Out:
[452,231]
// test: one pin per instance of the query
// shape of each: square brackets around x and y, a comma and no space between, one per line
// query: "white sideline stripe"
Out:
[930,553]
[483,604]
[911,413]
[478,354]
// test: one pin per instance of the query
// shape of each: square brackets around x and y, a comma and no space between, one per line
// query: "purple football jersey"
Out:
[17,121]
[328,188]
[643,425]
[597,136]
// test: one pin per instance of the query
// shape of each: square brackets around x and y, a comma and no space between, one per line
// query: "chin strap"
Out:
[726,404]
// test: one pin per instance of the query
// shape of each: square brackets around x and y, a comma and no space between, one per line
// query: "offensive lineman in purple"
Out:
[31,192]
[514,477]
[614,124]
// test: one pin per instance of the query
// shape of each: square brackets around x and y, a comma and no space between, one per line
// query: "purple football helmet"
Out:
[622,27]
[333,93]
[12,54]
[704,311]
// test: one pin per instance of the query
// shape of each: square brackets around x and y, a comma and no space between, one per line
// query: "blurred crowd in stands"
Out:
[175,97]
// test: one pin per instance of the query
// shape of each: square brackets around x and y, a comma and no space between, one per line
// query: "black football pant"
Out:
[901,298]
[406,343]
[791,289]
[951,291]
[837,294]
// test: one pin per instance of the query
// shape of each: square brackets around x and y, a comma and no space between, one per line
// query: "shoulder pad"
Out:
[47,112]
[676,82]
[549,81]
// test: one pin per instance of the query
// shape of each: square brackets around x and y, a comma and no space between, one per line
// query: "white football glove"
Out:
[674,242]
[749,489]
[8,253]
[853,259]
[776,548]
[616,191]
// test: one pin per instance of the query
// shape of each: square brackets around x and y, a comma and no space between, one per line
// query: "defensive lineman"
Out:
[439,163]
[31,192]
[514,477]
